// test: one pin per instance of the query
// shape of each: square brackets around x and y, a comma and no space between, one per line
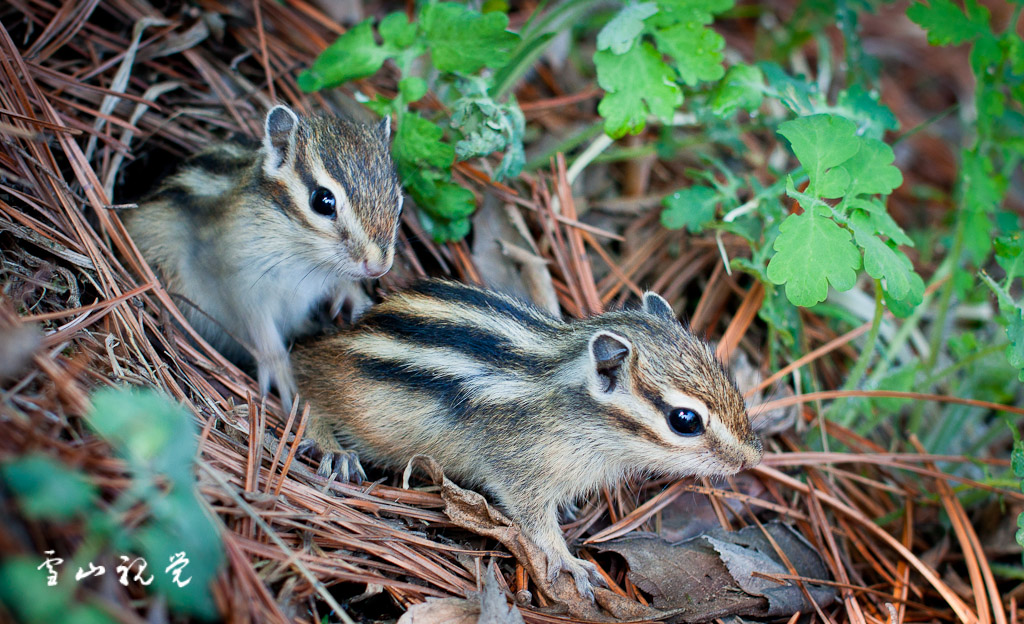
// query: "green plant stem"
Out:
[945,300]
[855,376]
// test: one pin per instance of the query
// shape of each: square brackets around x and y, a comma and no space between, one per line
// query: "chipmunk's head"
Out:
[676,404]
[337,185]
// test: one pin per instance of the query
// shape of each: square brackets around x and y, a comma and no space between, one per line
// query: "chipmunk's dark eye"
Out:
[322,202]
[685,422]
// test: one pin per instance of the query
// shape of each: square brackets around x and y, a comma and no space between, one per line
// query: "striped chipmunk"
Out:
[535,411]
[255,237]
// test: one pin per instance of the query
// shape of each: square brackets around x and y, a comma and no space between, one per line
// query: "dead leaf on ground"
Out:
[486,607]
[711,576]
[507,259]
[693,514]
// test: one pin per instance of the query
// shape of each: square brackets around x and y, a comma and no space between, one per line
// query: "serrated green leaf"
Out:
[636,83]
[873,118]
[463,40]
[1013,315]
[48,489]
[396,31]
[1017,459]
[977,235]
[353,55]
[871,170]
[797,94]
[691,208]
[695,49]
[1015,332]
[882,262]
[622,31]
[1010,254]
[983,187]
[822,143]
[419,143]
[879,220]
[812,252]
[742,87]
[947,24]
[488,126]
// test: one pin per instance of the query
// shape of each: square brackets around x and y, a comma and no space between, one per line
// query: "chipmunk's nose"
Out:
[755,451]
[375,269]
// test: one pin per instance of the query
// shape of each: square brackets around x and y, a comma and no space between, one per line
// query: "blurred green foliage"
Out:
[157,439]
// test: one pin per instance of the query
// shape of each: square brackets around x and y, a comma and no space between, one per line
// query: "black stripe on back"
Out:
[474,342]
[447,389]
[220,161]
[452,291]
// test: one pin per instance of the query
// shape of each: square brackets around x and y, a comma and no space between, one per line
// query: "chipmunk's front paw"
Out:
[583,572]
[342,462]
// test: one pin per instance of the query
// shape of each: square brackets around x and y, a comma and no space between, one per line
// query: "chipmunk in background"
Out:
[256,237]
[536,411]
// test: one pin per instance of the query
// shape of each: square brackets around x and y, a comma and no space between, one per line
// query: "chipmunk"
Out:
[536,411]
[256,237]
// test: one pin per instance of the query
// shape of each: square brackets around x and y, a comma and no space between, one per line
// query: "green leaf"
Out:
[696,50]
[880,222]
[412,88]
[442,230]
[463,40]
[1009,254]
[621,32]
[742,87]
[882,262]
[1013,315]
[396,31]
[812,252]
[872,117]
[822,143]
[1015,332]
[871,170]
[488,126]
[47,489]
[148,429]
[353,55]
[637,83]
[24,591]
[947,24]
[419,143]
[691,208]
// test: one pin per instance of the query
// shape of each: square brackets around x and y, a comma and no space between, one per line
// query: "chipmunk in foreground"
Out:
[256,237]
[536,411]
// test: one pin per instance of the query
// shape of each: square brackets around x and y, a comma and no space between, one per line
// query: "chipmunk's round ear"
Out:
[384,129]
[655,304]
[279,136]
[608,351]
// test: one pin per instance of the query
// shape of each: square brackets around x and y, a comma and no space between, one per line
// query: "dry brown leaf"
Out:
[711,576]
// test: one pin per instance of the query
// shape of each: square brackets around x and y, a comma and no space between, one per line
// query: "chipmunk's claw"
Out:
[345,464]
[584,573]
